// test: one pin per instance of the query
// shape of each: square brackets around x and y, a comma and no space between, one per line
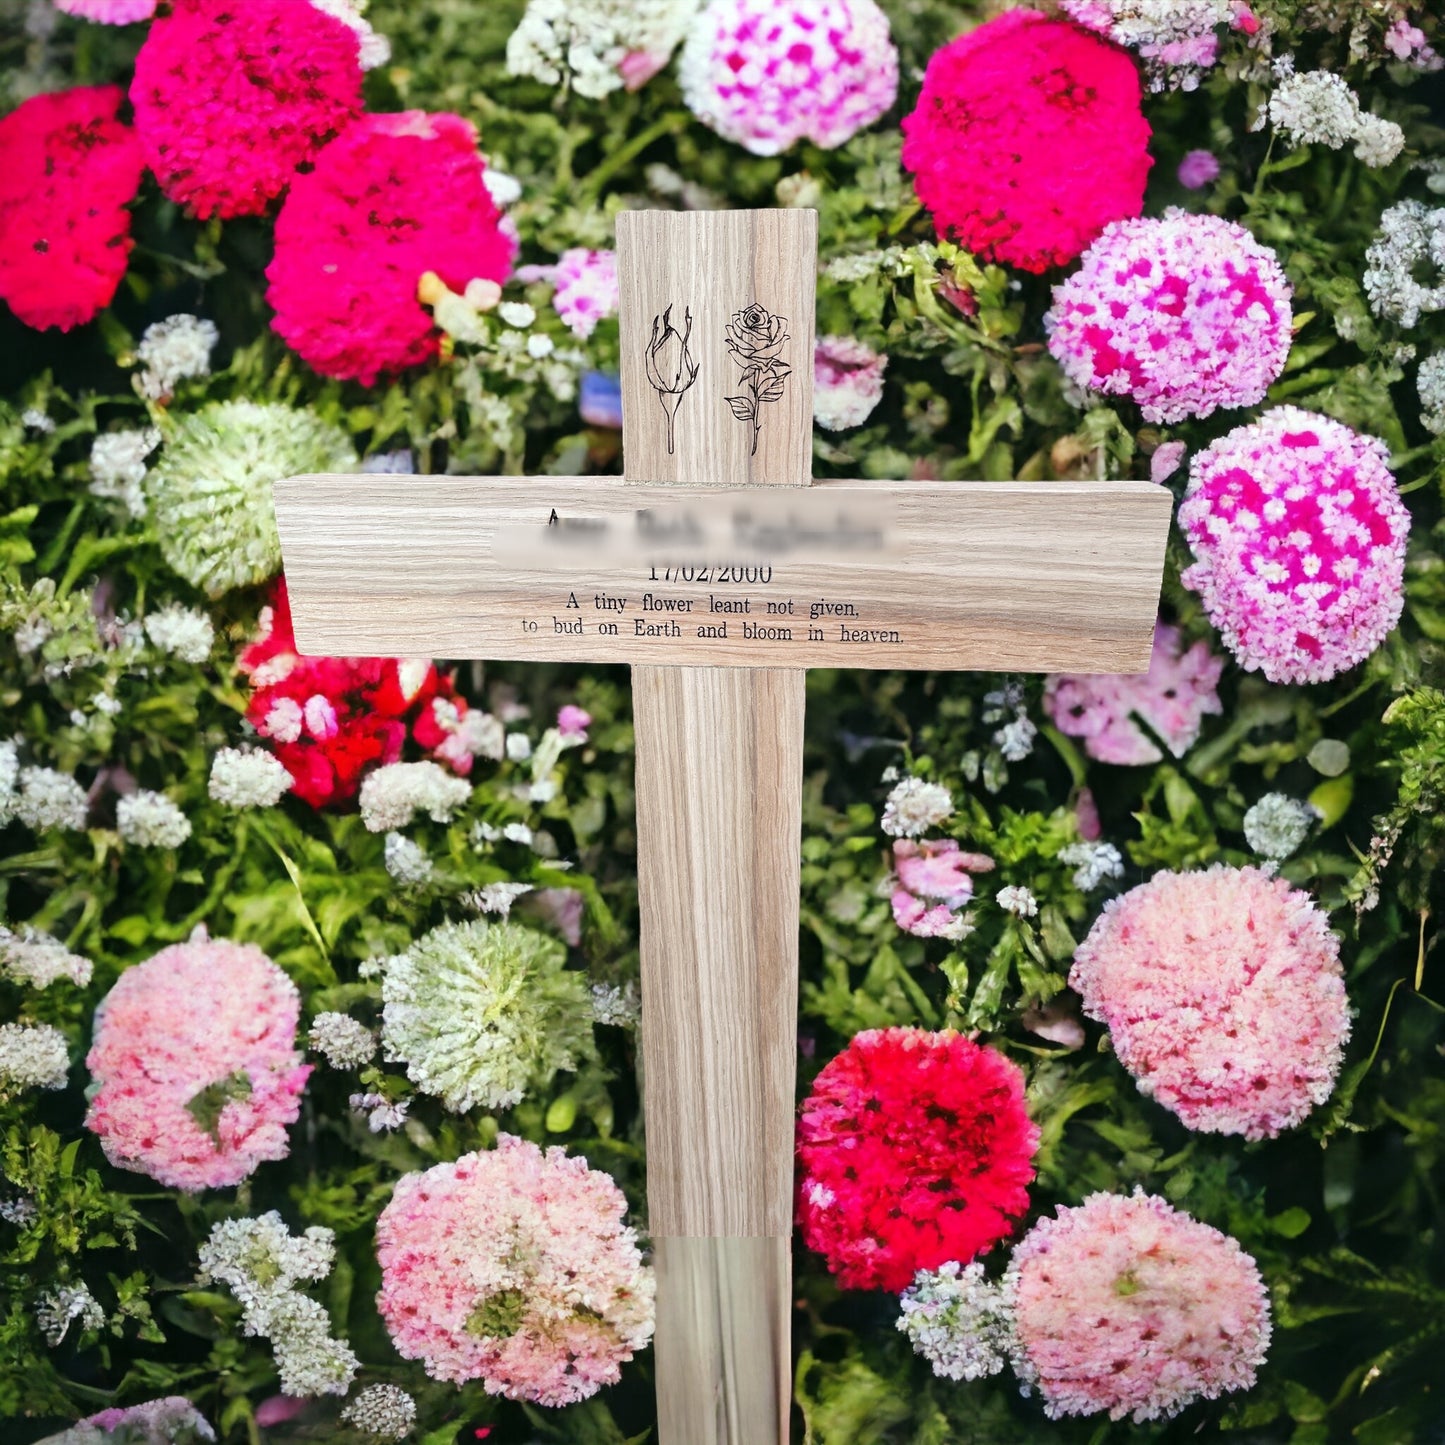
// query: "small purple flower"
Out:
[601,403]
[1198,169]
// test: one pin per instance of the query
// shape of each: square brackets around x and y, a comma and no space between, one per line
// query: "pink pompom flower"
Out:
[1223,995]
[766,74]
[847,381]
[934,881]
[68,169]
[394,197]
[1126,1306]
[1180,689]
[1298,534]
[514,1267]
[230,99]
[1185,314]
[586,289]
[1028,139]
[1198,169]
[195,1065]
[109,12]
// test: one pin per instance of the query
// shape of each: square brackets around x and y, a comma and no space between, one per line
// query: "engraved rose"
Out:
[755,338]
[670,367]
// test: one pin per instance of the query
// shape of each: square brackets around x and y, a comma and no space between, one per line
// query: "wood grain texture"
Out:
[1015,576]
[715,265]
[722,1349]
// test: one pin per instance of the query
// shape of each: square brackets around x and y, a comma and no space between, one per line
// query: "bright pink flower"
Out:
[1223,995]
[1198,169]
[394,197]
[514,1267]
[933,868]
[109,12]
[1184,314]
[1028,140]
[769,73]
[1298,534]
[573,722]
[586,289]
[68,169]
[331,720]
[915,1149]
[195,1065]
[1127,1306]
[1180,689]
[230,99]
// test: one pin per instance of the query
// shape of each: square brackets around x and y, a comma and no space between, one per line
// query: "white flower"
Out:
[372,49]
[519,833]
[20,1211]
[517,313]
[345,1042]
[496,897]
[60,1308]
[262,1262]
[184,632]
[1430,383]
[33,419]
[504,190]
[393,795]
[1094,863]
[248,778]
[957,1321]
[172,351]
[1017,900]
[32,1056]
[617,1005]
[9,775]
[1277,824]
[406,861]
[1315,107]
[914,806]
[1411,241]
[35,958]
[1378,142]
[382,1410]
[1015,740]
[150,820]
[540,346]
[381,1112]
[117,465]
[48,799]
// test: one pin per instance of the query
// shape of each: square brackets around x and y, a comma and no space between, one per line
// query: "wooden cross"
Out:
[721,572]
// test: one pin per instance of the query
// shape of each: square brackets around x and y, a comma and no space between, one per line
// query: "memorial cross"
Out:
[720,571]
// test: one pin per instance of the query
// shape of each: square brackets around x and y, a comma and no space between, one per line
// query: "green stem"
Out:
[673,123]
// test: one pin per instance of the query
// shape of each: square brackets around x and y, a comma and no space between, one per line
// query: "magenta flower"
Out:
[586,283]
[1198,169]
[573,722]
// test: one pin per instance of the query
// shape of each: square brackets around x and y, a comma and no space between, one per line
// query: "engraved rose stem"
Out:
[755,338]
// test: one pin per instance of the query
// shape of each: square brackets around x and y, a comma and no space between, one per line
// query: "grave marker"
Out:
[721,573]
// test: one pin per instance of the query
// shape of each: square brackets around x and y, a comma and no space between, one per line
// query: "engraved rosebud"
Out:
[756,339]
[670,365]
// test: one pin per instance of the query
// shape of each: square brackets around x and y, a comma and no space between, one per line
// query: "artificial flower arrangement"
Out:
[318,1068]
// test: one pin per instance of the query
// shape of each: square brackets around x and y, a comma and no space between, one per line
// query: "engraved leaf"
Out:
[742,407]
[773,391]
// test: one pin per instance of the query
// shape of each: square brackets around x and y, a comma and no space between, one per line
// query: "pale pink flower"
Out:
[109,12]
[933,869]
[514,1267]
[1223,995]
[573,722]
[1126,1306]
[586,289]
[562,908]
[1184,313]
[195,1065]
[769,73]
[1180,689]
[1298,534]
[847,382]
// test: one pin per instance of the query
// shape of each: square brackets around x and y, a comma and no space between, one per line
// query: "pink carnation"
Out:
[394,197]
[1298,534]
[68,169]
[935,872]
[586,289]
[109,12]
[1185,314]
[1223,995]
[1180,689]
[1028,140]
[230,99]
[195,1065]
[1176,40]
[1198,169]
[847,381]
[1126,1305]
[514,1267]
[769,73]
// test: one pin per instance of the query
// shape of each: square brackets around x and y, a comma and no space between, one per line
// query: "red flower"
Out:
[916,1150]
[1028,140]
[394,197]
[331,720]
[231,96]
[68,168]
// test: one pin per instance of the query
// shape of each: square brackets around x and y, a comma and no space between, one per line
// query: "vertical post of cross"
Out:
[717,373]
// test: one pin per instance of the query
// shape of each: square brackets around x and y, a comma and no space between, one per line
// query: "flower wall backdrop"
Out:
[1121,1097]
